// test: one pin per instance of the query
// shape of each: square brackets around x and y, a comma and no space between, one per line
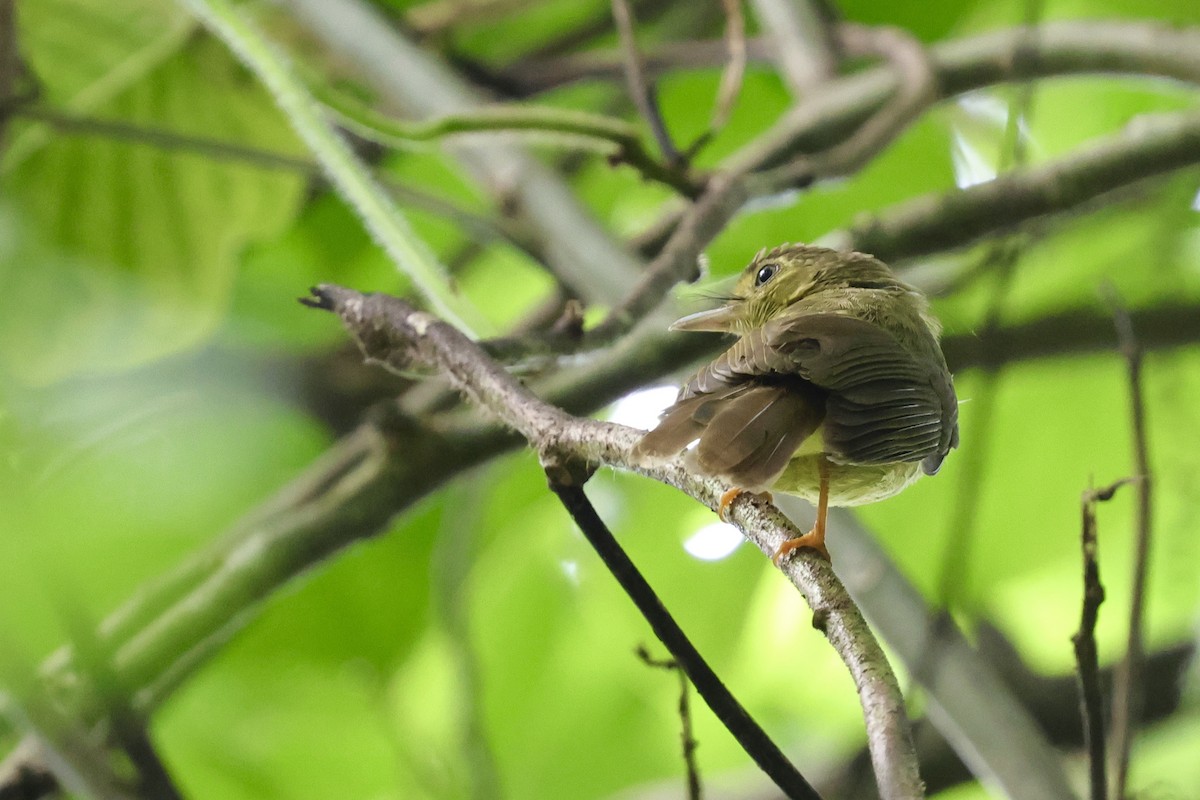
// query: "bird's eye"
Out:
[765,273]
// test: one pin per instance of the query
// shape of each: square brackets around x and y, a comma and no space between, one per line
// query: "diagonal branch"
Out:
[392,334]
[168,629]
[943,221]
[708,685]
[916,89]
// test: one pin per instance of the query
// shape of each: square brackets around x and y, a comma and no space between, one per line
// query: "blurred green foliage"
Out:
[478,648]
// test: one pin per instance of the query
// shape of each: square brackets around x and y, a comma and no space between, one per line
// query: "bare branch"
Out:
[943,221]
[1128,690]
[962,65]
[735,67]
[916,89]
[169,628]
[640,90]
[1091,701]
[685,719]
[611,136]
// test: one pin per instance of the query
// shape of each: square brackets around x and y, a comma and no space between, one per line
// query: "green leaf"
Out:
[122,252]
[83,53]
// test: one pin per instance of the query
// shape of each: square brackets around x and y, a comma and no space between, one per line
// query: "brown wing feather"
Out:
[753,436]
[684,422]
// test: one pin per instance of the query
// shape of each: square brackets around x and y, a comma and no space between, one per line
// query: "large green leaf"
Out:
[123,252]
[82,53]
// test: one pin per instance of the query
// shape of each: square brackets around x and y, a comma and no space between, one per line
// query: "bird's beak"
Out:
[717,320]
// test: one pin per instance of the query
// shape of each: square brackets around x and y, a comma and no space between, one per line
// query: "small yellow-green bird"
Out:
[836,390]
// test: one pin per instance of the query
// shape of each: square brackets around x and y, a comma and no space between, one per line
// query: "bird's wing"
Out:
[748,432]
[883,404]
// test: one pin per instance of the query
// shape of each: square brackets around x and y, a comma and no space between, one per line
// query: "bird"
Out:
[836,389]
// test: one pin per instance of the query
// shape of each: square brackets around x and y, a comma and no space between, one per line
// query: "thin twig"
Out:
[614,137]
[687,738]
[709,686]
[642,91]
[1128,689]
[164,139]
[735,67]
[725,194]
[392,334]
[1091,701]
[916,89]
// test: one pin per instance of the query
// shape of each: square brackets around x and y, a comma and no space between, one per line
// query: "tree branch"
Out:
[394,335]
[640,90]
[1091,701]
[967,701]
[613,136]
[1128,690]
[686,736]
[735,68]
[963,65]
[942,221]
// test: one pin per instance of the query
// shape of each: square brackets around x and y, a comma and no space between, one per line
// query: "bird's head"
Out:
[776,279]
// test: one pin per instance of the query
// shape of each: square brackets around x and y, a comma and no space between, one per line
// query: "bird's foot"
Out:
[814,539]
[730,496]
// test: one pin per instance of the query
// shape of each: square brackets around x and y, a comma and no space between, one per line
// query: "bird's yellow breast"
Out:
[849,484]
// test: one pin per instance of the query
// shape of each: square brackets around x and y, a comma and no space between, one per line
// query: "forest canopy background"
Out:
[163,397]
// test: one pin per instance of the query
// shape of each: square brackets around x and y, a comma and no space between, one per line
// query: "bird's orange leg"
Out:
[816,537]
[732,495]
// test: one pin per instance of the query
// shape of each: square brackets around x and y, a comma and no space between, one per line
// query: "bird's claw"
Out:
[814,540]
[732,495]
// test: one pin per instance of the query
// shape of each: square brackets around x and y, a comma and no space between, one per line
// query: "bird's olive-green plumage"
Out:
[837,360]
